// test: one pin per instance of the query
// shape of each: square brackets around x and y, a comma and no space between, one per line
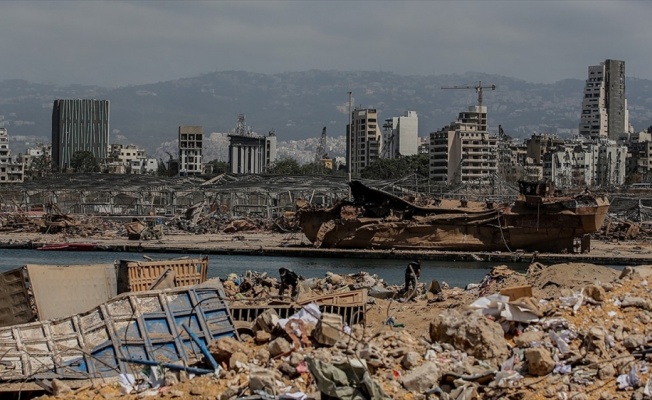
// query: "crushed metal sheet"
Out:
[94,344]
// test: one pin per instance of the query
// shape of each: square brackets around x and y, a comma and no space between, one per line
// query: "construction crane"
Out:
[478,88]
[321,147]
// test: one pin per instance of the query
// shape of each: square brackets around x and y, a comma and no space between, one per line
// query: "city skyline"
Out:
[134,42]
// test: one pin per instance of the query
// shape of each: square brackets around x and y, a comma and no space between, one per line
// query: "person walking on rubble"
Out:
[289,279]
[412,275]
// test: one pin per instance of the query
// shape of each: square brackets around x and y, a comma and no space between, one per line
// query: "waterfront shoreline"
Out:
[296,245]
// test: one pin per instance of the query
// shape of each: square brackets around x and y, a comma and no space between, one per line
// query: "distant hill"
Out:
[298,104]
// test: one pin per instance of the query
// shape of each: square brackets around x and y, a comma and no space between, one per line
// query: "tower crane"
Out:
[321,147]
[478,88]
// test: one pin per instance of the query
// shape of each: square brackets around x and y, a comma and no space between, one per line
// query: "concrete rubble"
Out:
[580,335]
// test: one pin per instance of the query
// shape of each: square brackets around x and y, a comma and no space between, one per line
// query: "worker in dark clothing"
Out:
[412,275]
[289,279]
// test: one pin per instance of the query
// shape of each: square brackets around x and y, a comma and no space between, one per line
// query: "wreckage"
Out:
[82,322]
[539,220]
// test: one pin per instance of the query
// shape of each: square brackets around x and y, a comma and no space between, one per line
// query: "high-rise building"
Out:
[464,151]
[401,135]
[604,107]
[79,125]
[191,139]
[250,153]
[364,139]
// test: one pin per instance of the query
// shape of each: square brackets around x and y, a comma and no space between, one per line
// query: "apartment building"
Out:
[37,161]
[79,125]
[640,154]
[576,164]
[604,106]
[11,171]
[191,140]
[540,144]
[401,137]
[126,153]
[364,142]
[464,151]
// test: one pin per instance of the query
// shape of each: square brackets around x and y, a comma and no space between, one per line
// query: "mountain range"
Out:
[297,105]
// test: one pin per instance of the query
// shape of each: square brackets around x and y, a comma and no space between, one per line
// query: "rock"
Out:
[279,346]
[288,370]
[422,378]
[329,329]
[262,337]
[196,391]
[170,378]
[472,333]
[630,301]
[595,292]
[237,356]
[410,360]
[398,352]
[262,356]
[606,371]
[632,342]
[266,321]
[59,388]
[223,348]
[335,279]
[529,338]
[550,392]
[296,359]
[539,361]
[261,379]
[371,355]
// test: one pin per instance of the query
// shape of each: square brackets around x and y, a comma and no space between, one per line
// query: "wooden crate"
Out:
[138,276]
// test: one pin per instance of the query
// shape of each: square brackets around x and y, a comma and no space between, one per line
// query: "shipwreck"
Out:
[538,220]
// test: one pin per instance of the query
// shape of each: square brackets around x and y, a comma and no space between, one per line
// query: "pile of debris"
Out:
[547,333]
[622,229]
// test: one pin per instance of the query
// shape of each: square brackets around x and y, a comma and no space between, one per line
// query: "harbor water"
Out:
[455,273]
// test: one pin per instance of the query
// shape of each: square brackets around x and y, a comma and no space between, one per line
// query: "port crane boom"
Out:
[478,88]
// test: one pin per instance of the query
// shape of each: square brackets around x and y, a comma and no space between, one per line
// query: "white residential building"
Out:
[131,159]
[127,153]
[401,136]
[143,166]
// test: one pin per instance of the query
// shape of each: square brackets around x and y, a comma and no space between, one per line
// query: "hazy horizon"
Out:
[116,44]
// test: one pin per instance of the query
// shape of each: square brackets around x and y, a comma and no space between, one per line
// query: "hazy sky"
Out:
[117,43]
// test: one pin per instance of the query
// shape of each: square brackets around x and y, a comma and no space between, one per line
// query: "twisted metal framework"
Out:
[266,196]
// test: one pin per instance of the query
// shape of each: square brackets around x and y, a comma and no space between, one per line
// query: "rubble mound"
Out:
[547,282]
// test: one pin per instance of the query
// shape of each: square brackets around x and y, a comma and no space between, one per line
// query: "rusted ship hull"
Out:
[379,220]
